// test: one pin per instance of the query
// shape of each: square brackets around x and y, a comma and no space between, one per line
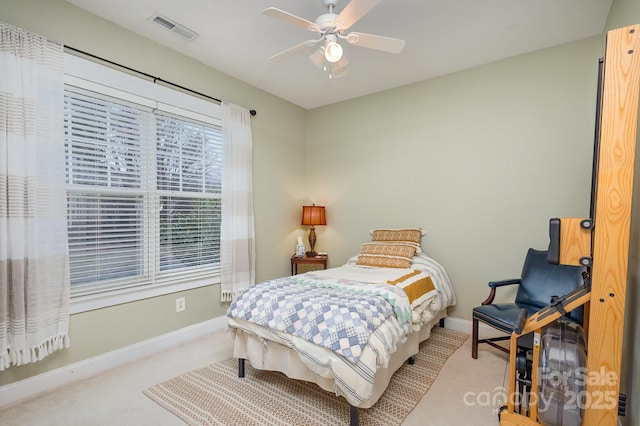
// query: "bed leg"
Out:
[240,367]
[441,322]
[354,416]
[411,360]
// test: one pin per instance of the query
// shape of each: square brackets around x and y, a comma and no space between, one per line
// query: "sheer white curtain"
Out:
[237,241]
[34,265]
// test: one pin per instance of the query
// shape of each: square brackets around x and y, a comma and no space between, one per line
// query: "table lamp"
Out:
[312,216]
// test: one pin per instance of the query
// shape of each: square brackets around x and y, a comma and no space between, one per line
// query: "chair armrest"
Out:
[510,281]
[495,284]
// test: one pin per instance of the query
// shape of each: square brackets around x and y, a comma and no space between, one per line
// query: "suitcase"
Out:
[561,374]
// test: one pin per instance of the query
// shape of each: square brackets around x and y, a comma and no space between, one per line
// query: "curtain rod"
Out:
[155,79]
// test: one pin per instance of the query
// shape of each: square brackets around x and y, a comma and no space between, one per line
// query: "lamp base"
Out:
[312,242]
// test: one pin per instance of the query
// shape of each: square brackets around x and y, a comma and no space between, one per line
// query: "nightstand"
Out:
[320,259]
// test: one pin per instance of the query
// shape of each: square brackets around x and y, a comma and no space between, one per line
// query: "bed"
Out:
[348,328]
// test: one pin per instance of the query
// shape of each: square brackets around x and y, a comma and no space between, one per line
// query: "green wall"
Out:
[480,159]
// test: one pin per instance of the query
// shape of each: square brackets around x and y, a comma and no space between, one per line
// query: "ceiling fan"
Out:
[332,27]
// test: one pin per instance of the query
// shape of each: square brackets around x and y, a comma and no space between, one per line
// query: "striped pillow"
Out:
[386,255]
[411,236]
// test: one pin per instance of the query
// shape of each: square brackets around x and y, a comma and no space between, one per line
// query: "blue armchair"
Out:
[539,282]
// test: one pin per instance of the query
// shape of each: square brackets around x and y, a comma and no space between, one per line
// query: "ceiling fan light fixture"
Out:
[331,26]
[333,52]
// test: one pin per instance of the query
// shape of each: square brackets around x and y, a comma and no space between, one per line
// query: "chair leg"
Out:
[474,339]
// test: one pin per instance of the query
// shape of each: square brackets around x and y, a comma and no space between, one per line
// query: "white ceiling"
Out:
[442,36]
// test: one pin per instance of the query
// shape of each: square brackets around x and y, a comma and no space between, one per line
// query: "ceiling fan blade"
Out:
[352,12]
[292,19]
[339,69]
[317,58]
[293,50]
[387,44]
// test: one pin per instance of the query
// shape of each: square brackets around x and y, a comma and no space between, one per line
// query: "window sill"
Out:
[117,297]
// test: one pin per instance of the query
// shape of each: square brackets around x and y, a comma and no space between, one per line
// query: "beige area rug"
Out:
[215,395]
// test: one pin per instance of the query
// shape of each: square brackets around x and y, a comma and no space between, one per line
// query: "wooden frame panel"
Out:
[612,223]
[610,237]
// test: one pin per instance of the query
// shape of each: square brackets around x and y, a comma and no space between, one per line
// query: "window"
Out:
[143,184]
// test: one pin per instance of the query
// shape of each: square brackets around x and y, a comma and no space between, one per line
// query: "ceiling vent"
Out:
[173,26]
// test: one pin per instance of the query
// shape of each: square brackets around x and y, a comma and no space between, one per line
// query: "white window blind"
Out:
[143,193]
[189,175]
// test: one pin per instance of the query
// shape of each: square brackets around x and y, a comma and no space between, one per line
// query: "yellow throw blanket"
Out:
[417,285]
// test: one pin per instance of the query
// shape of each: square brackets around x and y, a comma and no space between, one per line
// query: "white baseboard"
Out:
[459,324]
[32,386]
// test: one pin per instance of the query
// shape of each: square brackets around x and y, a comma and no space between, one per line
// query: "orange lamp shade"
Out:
[313,215]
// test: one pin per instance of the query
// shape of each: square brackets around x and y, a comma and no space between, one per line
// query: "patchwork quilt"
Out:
[344,323]
[338,314]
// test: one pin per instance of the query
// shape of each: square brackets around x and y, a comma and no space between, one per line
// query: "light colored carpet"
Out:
[463,394]
[216,395]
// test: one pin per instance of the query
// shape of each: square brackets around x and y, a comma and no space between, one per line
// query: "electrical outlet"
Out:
[180,304]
